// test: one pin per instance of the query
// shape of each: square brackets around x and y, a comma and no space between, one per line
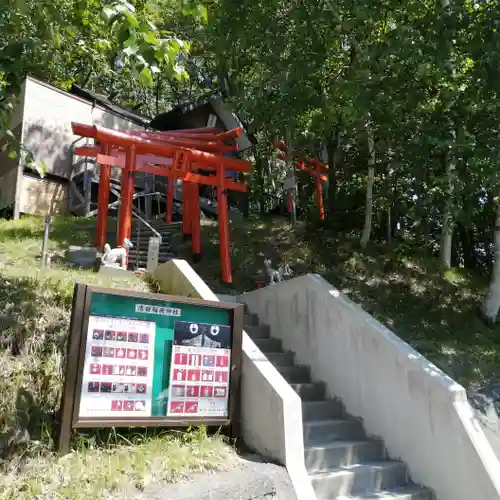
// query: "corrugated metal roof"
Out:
[93,97]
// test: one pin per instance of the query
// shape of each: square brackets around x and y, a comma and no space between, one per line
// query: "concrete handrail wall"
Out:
[422,414]
[271,411]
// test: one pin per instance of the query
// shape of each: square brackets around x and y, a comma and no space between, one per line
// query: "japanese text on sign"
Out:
[162,311]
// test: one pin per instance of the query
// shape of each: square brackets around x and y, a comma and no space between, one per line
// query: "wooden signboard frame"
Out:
[77,343]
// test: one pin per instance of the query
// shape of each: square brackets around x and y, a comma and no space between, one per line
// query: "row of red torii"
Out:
[180,154]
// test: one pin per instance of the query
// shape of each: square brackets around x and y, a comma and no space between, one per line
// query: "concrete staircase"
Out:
[341,460]
[138,255]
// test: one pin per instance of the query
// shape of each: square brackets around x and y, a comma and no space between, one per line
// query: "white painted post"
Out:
[153,254]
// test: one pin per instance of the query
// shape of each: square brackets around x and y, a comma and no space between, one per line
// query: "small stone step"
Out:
[269,345]
[359,479]
[296,374]
[163,226]
[145,254]
[333,429]
[406,493]
[319,410]
[281,358]
[258,331]
[250,319]
[319,457]
[145,236]
[144,245]
[147,233]
[313,391]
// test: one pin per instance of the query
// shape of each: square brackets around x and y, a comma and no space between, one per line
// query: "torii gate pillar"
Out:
[103,201]
[127,196]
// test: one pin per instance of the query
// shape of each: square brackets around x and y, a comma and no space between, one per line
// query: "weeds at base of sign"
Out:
[109,438]
[116,464]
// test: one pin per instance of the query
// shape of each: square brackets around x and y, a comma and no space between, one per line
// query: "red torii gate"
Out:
[175,155]
[315,171]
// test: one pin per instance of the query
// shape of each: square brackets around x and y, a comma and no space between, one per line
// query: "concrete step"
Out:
[359,479]
[258,331]
[319,457]
[250,319]
[319,410]
[144,239]
[297,374]
[281,358]
[165,234]
[144,242]
[163,226]
[406,493]
[333,429]
[312,391]
[270,344]
[144,250]
[145,254]
[161,223]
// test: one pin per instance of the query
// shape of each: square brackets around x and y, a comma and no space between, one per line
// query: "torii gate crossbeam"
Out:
[176,156]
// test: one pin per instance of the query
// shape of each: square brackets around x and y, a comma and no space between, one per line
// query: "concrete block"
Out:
[115,272]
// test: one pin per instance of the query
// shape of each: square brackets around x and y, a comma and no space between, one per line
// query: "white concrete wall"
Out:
[271,411]
[47,117]
[43,196]
[422,414]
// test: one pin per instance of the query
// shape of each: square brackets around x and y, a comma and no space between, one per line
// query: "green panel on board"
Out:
[119,306]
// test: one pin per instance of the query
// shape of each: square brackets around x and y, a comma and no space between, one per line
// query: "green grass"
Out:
[122,469]
[435,311]
[21,246]
[35,307]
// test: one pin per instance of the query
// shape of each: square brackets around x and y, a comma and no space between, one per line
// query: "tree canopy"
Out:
[400,99]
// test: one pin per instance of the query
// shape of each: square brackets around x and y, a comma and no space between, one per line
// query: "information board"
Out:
[137,359]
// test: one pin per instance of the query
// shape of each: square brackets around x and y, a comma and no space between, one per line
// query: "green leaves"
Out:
[145,76]
[199,12]
[142,45]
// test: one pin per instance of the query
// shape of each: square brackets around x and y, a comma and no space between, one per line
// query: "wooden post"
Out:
[319,192]
[186,217]
[103,202]
[148,200]
[224,243]
[170,200]
[195,222]
[127,194]
[73,349]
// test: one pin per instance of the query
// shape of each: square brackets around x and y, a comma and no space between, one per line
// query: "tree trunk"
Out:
[389,225]
[492,301]
[447,224]
[468,245]
[291,173]
[455,254]
[365,238]
[261,169]
[332,148]
[390,201]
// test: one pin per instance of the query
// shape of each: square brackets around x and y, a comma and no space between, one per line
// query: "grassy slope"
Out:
[432,310]
[34,320]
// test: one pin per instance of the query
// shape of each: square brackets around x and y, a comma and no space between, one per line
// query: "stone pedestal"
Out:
[115,272]
[81,256]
